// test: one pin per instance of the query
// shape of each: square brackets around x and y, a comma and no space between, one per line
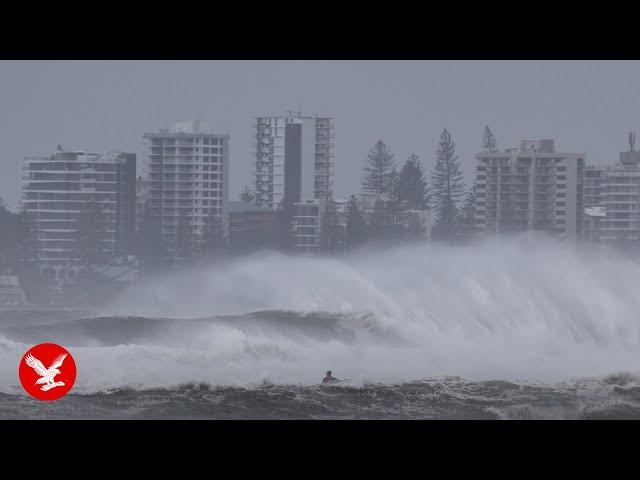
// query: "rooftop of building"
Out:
[292,114]
[188,128]
[79,155]
[629,160]
[536,146]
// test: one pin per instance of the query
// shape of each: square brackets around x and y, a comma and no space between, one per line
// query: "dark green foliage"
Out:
[383,225]
[186,241]
[468,219]
[247,195]
[356,231]
[412,185]
[91,235]
[448,188]
[415,230]
[489,143]
[378,170]
[285,232]
[150,248]
[332,233]
[378,221]
[13,233]
[213,240]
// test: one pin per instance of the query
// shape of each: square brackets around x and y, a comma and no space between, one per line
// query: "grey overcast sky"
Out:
[587,106]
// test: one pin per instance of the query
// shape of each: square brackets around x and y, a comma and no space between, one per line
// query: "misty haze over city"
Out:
[587,106]
[445,239]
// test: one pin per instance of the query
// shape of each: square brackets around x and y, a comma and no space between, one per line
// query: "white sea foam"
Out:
[524,307]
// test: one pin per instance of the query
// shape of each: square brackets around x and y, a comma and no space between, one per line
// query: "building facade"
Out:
[187,167]
[58,188]
[250,227]
[530,188]
[293,159]
[306,225]
[309,223]
[612,200]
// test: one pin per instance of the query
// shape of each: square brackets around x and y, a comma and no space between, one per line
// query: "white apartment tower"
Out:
[613,193]
[293,158]
[57,188]
[187,168]
[530,188]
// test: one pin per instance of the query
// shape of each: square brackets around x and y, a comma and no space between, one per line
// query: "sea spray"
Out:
[523,308]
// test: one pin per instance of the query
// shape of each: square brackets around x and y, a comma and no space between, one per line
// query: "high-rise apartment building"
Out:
[187,167]
[612,198]
[530,188]
[58,188]
[293,159]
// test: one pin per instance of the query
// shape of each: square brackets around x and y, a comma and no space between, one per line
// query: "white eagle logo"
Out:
[46,374]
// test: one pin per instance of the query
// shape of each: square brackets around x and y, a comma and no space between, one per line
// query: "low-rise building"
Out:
[310,222]
[250,227]
[306,225]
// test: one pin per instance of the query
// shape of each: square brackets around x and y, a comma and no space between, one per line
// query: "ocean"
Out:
[523,328]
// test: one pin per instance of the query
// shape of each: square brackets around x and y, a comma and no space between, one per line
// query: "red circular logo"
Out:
[47,371]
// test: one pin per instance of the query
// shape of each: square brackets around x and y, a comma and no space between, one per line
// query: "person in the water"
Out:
[328,378]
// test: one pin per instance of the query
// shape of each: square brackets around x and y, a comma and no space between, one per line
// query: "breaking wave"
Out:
[520,309]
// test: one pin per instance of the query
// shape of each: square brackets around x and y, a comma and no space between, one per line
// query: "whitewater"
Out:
[515,327]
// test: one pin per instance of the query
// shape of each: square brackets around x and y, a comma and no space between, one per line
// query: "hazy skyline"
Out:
[586,106]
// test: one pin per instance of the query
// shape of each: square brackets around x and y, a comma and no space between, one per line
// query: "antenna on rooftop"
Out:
[632,140]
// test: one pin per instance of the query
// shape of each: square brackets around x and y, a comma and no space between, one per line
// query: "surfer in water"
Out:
[329,378]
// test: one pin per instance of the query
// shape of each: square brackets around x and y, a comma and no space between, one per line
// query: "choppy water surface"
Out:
[522,328]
